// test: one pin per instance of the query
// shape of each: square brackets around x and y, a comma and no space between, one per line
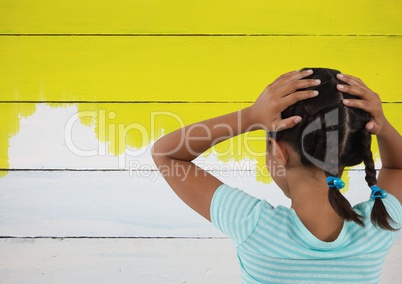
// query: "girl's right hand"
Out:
[369,101]
[278,96]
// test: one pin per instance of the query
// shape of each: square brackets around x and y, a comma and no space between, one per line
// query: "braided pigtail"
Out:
[339,203]
[379,215]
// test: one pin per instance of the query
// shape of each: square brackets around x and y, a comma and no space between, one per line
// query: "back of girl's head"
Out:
[332,136]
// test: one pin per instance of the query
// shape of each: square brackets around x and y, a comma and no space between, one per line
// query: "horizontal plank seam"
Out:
[188,35]
[115,170]
[143,102]
[125,102]
[93,237]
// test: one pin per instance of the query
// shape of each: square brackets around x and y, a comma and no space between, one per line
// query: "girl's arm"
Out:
[389,140]
[390,145]
[173,153]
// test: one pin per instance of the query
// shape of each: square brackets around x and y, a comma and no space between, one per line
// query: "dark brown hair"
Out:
[342,142]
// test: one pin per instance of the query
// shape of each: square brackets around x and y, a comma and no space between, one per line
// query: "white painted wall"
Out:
[124,261]
[96,226]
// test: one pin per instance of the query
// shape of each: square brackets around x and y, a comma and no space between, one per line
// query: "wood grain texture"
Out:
[69,52]
[191,69]
[121,204]
[107,204]
[200,17]
[119,135]
[120,261]
[126,261]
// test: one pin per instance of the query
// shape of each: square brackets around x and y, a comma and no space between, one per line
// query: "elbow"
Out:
[157,152]
[155,156]
[159,156]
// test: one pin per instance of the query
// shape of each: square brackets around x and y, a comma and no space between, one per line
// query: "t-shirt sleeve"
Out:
[392,205]
[235,212]
[394,209]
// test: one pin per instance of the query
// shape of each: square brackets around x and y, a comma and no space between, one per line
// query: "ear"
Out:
[279,150]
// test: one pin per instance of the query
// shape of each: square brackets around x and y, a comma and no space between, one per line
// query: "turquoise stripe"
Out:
[372,243]
[394,209]
[281,246]
[272,248]
[274,225]
[260,245]
[282,242]
[239,208]
[311,279]
[235,213]
[284,275]
[342,263]
[247,210]
[288,273]
[225,214]
[334,266]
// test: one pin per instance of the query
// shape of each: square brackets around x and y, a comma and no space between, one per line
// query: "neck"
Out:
[307,188]
[309,194]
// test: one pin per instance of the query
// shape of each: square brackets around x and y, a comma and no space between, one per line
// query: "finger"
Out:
[284,76]
[299,75]
[372,127]
[299,84]
[351,80]
[297,96]
[360,92]
[287,123]
[364,105]
[292,76]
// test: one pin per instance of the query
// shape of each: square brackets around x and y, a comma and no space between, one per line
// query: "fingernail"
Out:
[346,102]
[370,126]
[340,75]
[340,86]
[297,119]
[315,93]
[309,71]
[317,81]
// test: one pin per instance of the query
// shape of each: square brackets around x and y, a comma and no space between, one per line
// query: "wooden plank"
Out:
[121,204]
[205,17]
[183,68]
[119,136]
[118,261]
[123,261]
[107,204]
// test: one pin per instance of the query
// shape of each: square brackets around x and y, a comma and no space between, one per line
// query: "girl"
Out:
[318,121]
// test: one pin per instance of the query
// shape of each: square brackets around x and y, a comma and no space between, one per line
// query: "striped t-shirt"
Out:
[273,245]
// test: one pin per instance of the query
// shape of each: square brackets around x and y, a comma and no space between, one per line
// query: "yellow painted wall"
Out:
[93,53]
[291,17]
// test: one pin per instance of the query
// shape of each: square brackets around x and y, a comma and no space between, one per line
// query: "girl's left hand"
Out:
[265,113]
[369,101]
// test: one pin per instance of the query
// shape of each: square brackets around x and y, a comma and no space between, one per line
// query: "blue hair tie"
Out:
[377,192]
[335,182]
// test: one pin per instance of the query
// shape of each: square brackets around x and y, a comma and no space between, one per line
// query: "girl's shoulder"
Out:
[391,203]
